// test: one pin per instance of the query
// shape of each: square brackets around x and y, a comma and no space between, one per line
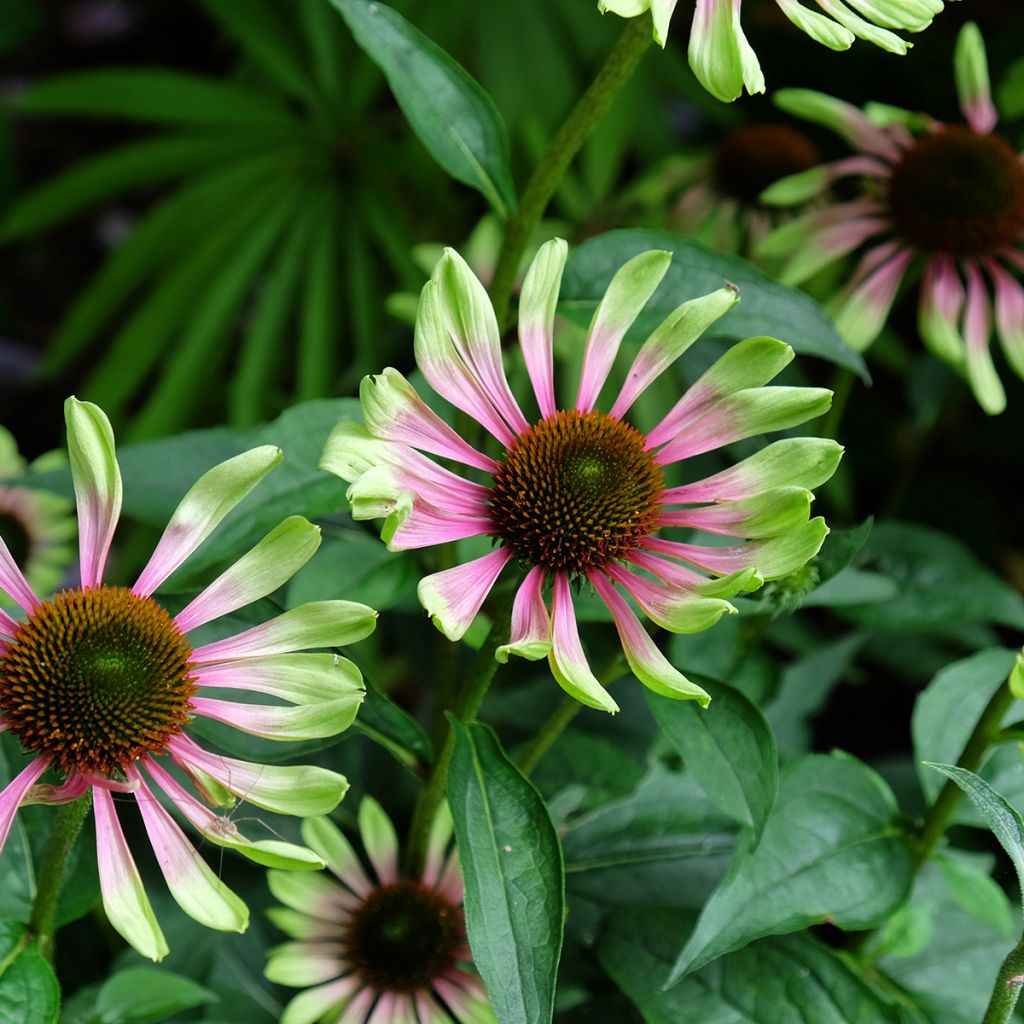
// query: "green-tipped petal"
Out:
[719,53]
[1016,679]
[379,839]
[972,84]
[819,27]
[313,894]
[300,964]
[796,189]
[779,556]
[537,303]
[351,450]
[97,480]
[324,1001]
[203,508]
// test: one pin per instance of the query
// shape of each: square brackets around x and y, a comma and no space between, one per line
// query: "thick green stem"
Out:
[1007,988]
[466,706]
[67,824]
[550,731]
[937,819]
[617,70]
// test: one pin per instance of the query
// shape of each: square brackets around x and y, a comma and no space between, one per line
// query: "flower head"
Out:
[723,60]
[945,205]
[99,685]
[37,527]
[378,947]
[577,495]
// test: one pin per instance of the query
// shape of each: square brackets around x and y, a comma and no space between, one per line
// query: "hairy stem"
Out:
[1007,987]
[617,70]
[467,703]
[68,823]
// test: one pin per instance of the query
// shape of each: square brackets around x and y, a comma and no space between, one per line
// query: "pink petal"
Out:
[15,791]
[453,597]
[1009,315]
[356,1011]
[668,572]
[427,525]
[530,622]
[14,584]
[8,627]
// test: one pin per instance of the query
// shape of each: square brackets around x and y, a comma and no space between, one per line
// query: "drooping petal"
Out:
[670,340]
[680,577]
[970,65]
[719,53]
[15,792]
[393,411]
[194,886]
[981,372]
[678,611]
[323,836]
[311,1005]
[302,790]
[828,245]
[791,462]
[97,485]
[259,572]
[222,831]
[841,117]
[648,664]
[627,294]
[862,28]
[317,624]
[1009,315]
[530,635]
[202,509]
[764,515]
[15,586]
[351,450]
[940,308]
[537,302]
[821,29]
[453,597]
[861,311]
[567,660]
[124,897]
[379,839]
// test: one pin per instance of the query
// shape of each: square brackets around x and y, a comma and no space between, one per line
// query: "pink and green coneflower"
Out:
[944,206]
[378,948]
[99,685]
[724,61]
[577,496]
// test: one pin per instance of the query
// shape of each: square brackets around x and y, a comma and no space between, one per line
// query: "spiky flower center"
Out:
[95,678]
[403,936]
[960,192]
[755,156]
[15,536]
[576,490]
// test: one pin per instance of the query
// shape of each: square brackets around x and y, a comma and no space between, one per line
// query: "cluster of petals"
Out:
[318,914]
[724,61]
[760,506]
[956,303]
[322,691]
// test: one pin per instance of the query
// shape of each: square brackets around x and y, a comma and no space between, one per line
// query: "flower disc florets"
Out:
[95,678]
[403,936]
[959,191]
[755,156]
[576,490]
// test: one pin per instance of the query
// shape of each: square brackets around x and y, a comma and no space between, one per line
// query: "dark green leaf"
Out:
[830,852]
[446,108]
[729,748]
[787,980]
[318,339]
[382,719]
[939,582]
[765,307]
[29,993]
[514,876]
[151,94]
[148,995]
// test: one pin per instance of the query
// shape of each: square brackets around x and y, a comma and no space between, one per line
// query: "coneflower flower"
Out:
[724,61]
[99,685]
[945,206]
[378,947]
[38,527]
[579,495]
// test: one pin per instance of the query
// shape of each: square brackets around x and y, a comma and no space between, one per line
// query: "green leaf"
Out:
[788,980]
[514,876]
[447,109]
[125,169]
[318,337]
[384,721]
[1006,824]
[765,307]
[148,995]
[939,580]
[830,852]
[151,94]
[947,711]
[29,993]
[730,750]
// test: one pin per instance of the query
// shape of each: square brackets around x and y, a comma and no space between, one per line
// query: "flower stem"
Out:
[1007,987]
[68,823]
[550,731]
[937,819]
[467,703]
[617,70]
